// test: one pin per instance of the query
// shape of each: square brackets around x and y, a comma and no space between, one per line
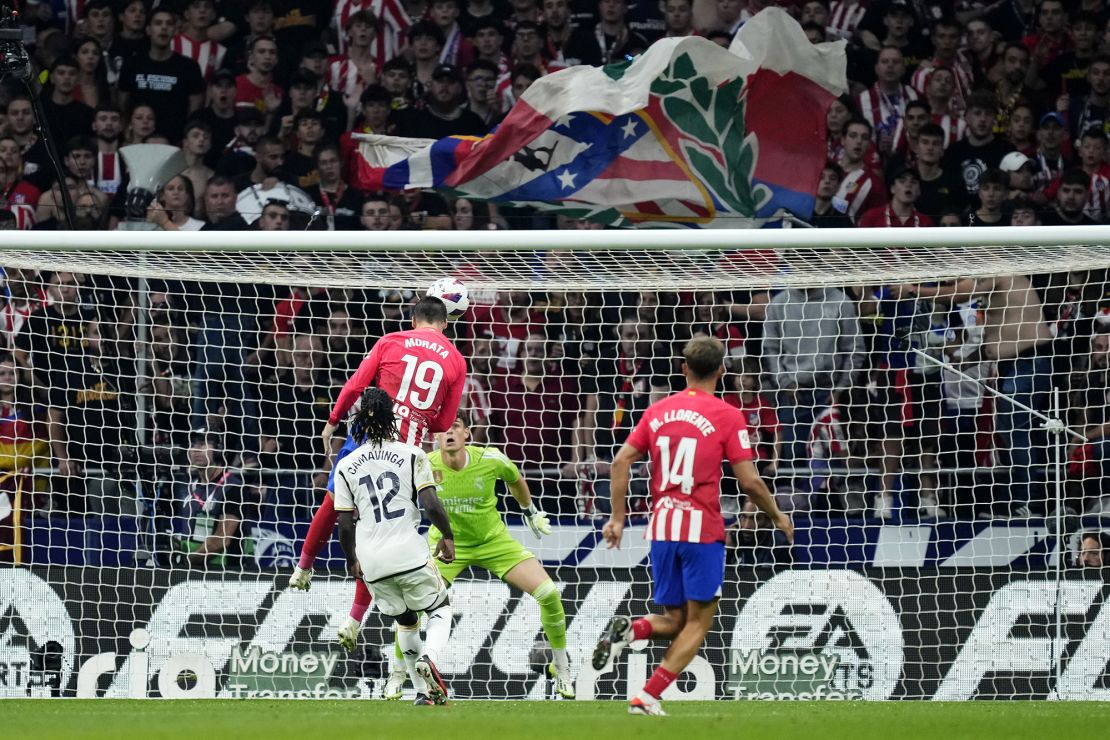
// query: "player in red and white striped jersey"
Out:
[686,436]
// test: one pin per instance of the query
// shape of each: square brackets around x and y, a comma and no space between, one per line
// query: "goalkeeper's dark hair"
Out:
[375,421]
[430,310]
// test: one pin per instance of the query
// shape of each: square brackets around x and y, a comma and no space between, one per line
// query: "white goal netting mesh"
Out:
[934,418]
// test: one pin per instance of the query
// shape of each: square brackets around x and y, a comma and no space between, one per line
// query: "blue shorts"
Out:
[348,447]
[687,571]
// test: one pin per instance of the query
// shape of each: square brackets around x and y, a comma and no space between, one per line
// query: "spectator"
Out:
[905,136]
[374,213]
[752,540]
[1093,548]
[21,198]
[812,348]
[108,129]
[1067,73]
[23,439]
[193,41]
[1052,38]
[68,116]
[445,113]
[940,188]
[168,386]
[1089,461]
[365,52]
[340,202]
[993,188]
[1049,157]
[274,216]
[141,125]
[471,215]
[256,87]
[980,151]
[1016,337]
[861,189]
[901,211]
[213,510]
[130,40]
[426,45]
[556,20]
[1021,132]
[171,211]
[1019,171]
[219,113]
[1070,191]
[536,411]
[23,295]
[167,82]
[759,414]
[610,40]
[884,104]
[945,37]
[1010,90]
[1023,213]
[299,164]
[845,17]
[240,156]
[219,206]
[1093,109]
[825,214]
[195,147]
[267,173]
[458,50]
[481,88]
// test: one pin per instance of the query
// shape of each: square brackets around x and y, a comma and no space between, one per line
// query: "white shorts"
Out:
[418,591]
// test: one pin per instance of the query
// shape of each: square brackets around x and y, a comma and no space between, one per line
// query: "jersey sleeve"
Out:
[738,444]
[640,437]
[507,470]
[449,411]
[344,496]
[357,383]
[422,472]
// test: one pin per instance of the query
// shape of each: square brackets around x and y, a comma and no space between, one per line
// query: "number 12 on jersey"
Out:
[680,470]
[382,490]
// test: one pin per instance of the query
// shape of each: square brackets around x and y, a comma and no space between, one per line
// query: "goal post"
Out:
[162,396]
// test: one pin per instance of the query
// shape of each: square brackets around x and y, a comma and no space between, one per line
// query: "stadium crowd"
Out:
[960,113]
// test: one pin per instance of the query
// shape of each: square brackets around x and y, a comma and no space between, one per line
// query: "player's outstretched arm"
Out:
[437,515]
[347,542]
[752,484]
[619,474]
[536,520]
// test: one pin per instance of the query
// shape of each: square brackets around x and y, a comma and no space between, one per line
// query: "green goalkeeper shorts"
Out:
[499,554]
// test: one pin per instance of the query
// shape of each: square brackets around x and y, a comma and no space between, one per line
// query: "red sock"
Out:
[641,629]
[319,532]
[659,681]
[362,601]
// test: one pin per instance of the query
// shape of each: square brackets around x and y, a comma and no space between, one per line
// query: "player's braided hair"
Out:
[374,422]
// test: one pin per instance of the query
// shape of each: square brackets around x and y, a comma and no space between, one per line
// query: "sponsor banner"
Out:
[791,635]
[1018,545]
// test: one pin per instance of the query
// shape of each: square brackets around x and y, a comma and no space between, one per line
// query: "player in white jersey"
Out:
[383,480]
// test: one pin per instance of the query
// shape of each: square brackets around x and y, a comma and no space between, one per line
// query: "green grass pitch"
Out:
[506,720]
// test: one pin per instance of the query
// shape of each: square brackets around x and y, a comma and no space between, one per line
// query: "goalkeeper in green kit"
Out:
[466,479]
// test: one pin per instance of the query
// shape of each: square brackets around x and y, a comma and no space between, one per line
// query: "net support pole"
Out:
[1051,425]
[1058,443]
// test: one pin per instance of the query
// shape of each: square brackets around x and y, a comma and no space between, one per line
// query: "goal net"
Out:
[933,416]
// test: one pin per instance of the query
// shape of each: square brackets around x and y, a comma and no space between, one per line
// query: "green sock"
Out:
[552,616]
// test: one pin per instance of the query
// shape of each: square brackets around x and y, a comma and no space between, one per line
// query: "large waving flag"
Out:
[687,133]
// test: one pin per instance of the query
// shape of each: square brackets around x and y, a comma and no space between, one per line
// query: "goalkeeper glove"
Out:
[537,521]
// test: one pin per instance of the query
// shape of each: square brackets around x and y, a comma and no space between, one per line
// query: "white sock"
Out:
[438,631]
[411,648]
[559,658]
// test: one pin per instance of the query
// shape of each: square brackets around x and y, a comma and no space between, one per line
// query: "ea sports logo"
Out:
[829,614]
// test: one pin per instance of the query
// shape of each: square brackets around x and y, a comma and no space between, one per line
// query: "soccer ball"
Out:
[453,294]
